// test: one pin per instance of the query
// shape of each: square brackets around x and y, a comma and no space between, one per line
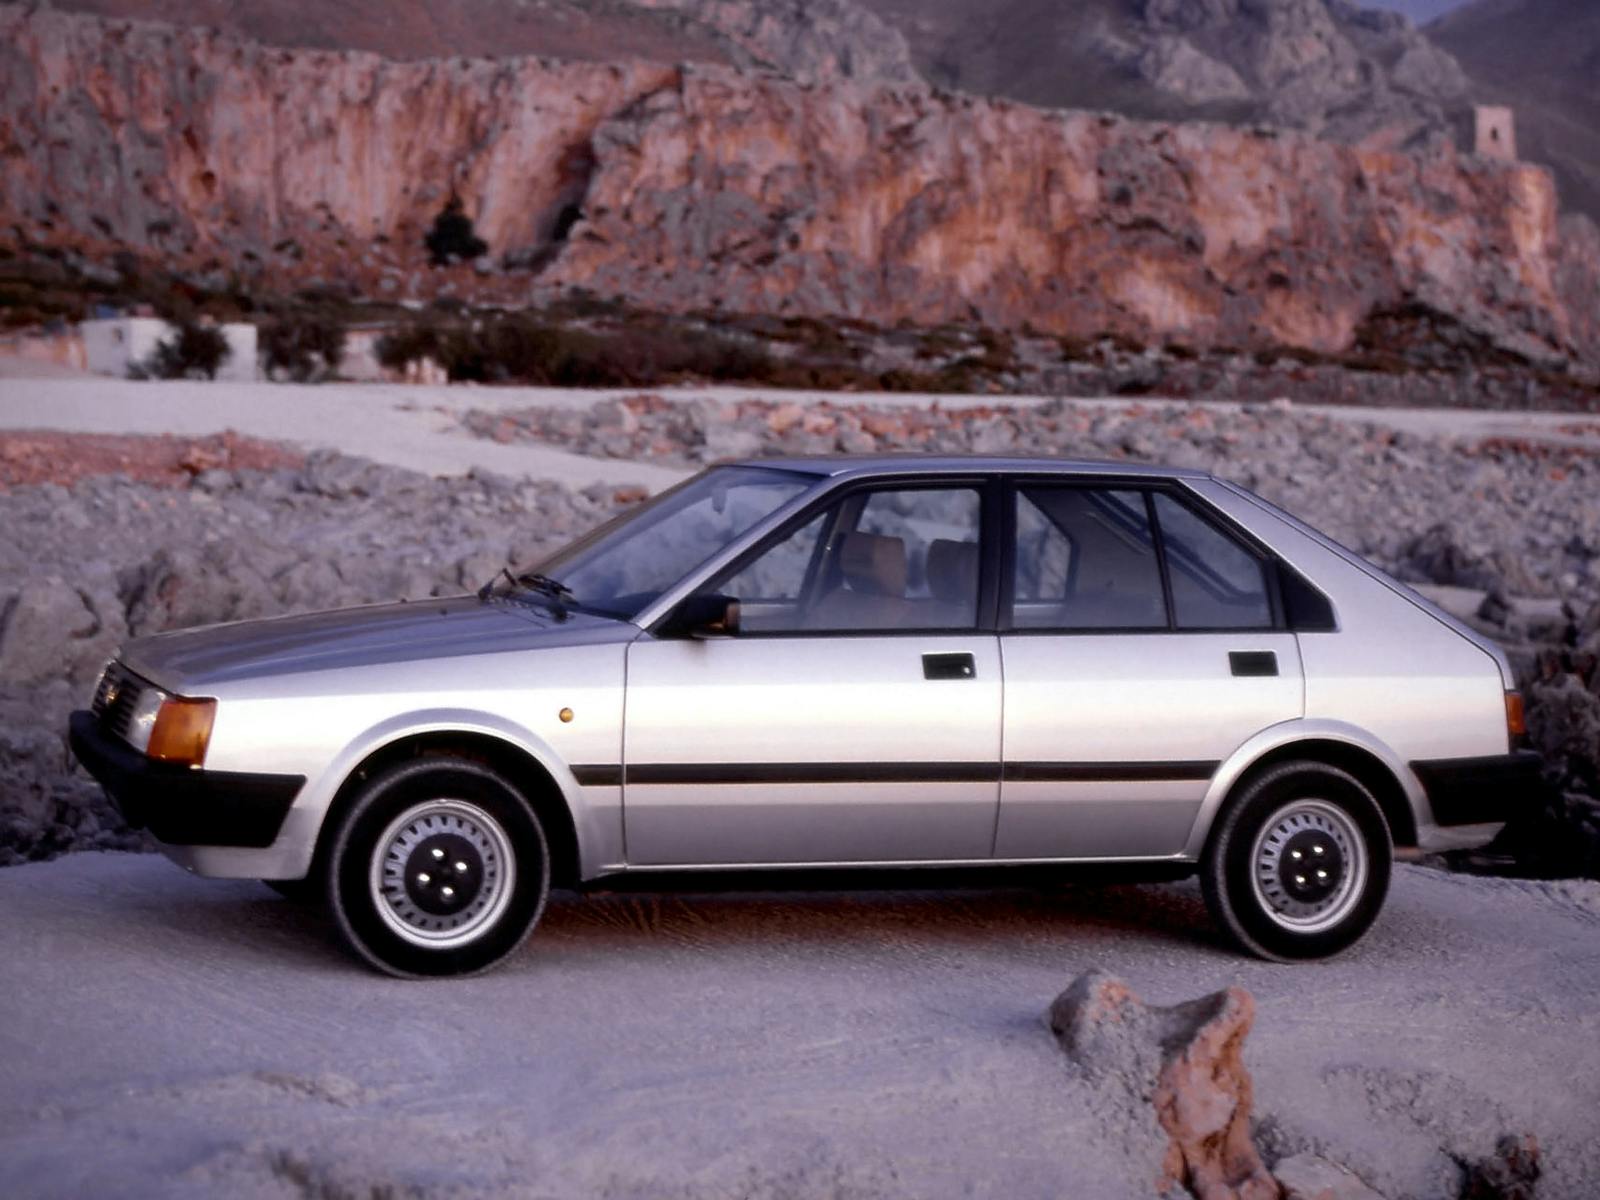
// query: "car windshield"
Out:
[627,563]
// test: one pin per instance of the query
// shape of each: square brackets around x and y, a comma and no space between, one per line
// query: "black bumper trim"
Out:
[1478,791]
[179,805]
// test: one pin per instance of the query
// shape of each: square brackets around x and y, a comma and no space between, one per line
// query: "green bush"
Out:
[192,352]
[305,347]
[527,349]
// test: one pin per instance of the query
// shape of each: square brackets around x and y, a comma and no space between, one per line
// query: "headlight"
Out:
[142,720]
[181,730]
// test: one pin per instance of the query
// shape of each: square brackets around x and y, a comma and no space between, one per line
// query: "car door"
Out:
[855,717]
[1142,643]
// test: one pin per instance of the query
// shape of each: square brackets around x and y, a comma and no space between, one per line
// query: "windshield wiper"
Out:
[552,591]
[543,583]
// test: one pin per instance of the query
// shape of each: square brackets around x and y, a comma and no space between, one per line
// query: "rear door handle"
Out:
[949,666]
[1253,662]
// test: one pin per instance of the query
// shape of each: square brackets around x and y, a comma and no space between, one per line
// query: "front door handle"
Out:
[949,666]
[1253,663]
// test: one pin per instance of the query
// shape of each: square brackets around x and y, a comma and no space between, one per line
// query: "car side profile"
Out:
[816,663]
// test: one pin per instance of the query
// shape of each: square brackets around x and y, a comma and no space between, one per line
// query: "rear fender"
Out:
[1287,733]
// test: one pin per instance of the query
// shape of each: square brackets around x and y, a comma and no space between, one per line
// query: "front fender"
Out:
[596,822]
[1287,733]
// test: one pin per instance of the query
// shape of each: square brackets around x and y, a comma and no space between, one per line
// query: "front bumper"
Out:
[1480,791]
[183,806]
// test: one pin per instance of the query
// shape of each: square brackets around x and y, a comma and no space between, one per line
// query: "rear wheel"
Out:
[1299,865]
[440,867]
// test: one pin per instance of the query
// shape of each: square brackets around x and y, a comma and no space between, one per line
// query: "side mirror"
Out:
[707,615]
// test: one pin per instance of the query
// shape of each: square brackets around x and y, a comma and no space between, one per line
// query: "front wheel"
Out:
[439,868]
[1299,864]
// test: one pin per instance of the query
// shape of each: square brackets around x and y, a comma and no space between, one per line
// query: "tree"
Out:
[192,352]
[303,346]
[452,238]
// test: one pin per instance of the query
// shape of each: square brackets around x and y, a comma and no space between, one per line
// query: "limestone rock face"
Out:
[812,40]
[809,40]
[1187,1061]
[698,188]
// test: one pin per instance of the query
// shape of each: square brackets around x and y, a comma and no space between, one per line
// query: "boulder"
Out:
[50,629]
[1187,1061]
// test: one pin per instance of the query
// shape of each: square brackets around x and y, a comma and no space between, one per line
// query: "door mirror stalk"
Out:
[707,616]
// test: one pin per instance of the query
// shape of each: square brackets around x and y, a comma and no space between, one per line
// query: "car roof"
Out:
[867,465]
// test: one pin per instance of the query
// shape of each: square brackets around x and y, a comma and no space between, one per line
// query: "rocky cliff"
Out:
[700,188]
[805,39]
[1328,67]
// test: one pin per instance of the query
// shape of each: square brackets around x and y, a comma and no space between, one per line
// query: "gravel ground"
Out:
[849,1045]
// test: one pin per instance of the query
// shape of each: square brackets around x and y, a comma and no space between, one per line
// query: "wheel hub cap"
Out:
[1309,865]
[442,874]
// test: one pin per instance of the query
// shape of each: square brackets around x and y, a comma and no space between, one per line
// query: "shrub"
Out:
[452,238]
[192,352]
[526,348]
[303,346]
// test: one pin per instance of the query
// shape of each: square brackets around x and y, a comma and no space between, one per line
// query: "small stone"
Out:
[1312,1177]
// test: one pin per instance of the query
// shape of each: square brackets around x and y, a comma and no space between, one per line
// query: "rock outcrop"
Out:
[809,40]
[1187,1061]
[704,188]
[813,40]
[1329,67]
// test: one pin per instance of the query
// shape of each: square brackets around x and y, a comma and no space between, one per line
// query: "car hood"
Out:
[193,659]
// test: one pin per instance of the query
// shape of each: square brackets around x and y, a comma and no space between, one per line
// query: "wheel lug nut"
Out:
[1322,874]
[461,868]
[447,892]
[1300,879]
[1317,849]
[1296,855]
[424,878]
[438,853]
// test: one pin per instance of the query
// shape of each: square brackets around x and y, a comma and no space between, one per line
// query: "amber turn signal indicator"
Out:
[1516,723]
[182,731]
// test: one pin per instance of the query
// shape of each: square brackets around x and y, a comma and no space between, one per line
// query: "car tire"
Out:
[439,867]
[1299,863]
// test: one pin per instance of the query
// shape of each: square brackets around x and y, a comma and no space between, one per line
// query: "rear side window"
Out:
[1216,582]
[1085,559]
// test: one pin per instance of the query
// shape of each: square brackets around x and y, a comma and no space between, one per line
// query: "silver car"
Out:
[806,663]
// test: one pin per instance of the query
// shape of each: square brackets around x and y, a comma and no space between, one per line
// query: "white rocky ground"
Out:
[164,1035]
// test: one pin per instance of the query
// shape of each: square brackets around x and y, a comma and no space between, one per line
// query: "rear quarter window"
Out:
[1217,583]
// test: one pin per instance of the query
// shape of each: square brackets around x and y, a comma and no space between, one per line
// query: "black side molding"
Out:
[179,805]
[901,772]
[1109,772]
[1478,791]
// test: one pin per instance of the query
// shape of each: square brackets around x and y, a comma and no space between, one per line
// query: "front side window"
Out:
[894,559]
[1085,559]
[1216,582]
[624,566]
